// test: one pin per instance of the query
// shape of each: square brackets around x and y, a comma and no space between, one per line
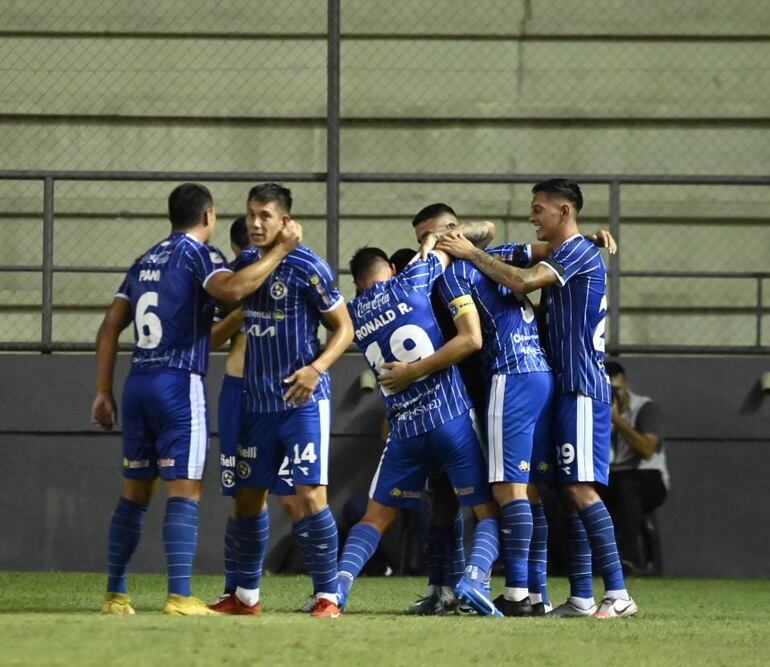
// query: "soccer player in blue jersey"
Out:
[168,294]
[431,421]
[574,278]
[287,400]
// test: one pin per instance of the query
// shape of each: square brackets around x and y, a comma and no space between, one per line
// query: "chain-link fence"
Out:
[372,110]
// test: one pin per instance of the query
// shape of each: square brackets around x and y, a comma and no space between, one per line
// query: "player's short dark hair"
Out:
[364,259]
[187,203]
[239,235]
[401,258]
[272,192]
[432,211]
[561,187]
[613,368]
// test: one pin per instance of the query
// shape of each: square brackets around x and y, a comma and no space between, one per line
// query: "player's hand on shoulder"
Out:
[104,413]
[303,383]
[455,244]
[396,376]
[603,239]
[290,235]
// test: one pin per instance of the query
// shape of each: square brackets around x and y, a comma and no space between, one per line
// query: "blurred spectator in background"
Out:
[639,479]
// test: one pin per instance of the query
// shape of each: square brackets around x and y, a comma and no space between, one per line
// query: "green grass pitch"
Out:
[51,619]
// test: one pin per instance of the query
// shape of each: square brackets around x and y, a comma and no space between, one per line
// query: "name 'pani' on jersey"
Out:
[511,339]
[576,318]
[394,321]
[172,311]
[281,325]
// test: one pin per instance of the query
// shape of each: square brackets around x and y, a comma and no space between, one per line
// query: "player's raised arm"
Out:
[601,238]
[104,412]
[521,281]
[233,287]
[480,233]
[304,380]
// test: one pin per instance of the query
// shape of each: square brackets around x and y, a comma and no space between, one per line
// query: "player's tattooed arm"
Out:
[397,376]
[104,412]
[304,380]
[521,281]
[480,233]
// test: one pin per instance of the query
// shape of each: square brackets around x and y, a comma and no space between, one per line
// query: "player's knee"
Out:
[533,493]
[380,517]
[185,488]
[291,506]
[138,490]
[312,499]
[581,495]
[506,492]
[249,502]
[485,511]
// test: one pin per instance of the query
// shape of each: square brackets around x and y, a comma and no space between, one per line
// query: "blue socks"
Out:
[579,553]
[486,546]
[324,542]
[231,555]
[180,539]
[516,529]
[601,535]
[302,537]
[123,537]
[253,533]
[359,547]
[537,569]
[455,567]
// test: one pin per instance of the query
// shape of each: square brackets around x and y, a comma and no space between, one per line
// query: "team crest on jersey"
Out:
[314,280]
[228,479]
[543,467]
[244,469]
[523,466]
[278,290]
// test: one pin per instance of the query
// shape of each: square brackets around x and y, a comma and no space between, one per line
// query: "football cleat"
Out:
[430,605]
[232,605]
[570,610]
[117,604]
[473,592]
[614,608]
[307,606]
[186,605]
[541,609]
[510,608]
[325,608]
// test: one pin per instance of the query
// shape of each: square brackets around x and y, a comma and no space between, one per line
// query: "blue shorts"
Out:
[165,424]
[269,438]
[582,427]
[518,426]
[230,412]
[405,465]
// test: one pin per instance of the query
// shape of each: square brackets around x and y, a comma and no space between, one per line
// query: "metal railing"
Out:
[333,182]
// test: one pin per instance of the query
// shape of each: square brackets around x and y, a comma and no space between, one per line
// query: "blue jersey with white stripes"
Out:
[511,339]
[172,311]
[281,325]
[576,318]
[394,321]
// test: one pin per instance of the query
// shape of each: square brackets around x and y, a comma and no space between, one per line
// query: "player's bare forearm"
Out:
[521,281]
[478,232]
[117,318]
[339,322]
[226,328]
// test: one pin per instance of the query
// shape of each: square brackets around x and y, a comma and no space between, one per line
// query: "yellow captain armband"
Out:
[462,305]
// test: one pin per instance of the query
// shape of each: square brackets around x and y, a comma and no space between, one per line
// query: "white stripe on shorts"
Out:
[585,438]
[373,485]
[198,437]
[323,414]
[495,413]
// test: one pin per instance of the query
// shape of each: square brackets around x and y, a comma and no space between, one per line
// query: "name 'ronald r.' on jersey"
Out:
[172,311]
[394,321]
[281,322]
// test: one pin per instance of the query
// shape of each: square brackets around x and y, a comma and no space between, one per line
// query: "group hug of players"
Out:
[544,404]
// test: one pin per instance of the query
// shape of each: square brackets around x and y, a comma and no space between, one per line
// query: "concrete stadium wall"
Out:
[499,86]
[59,479]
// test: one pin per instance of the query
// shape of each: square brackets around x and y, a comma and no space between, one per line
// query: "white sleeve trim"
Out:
[561,280]
[219,270]
[125,297]
[339,302]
